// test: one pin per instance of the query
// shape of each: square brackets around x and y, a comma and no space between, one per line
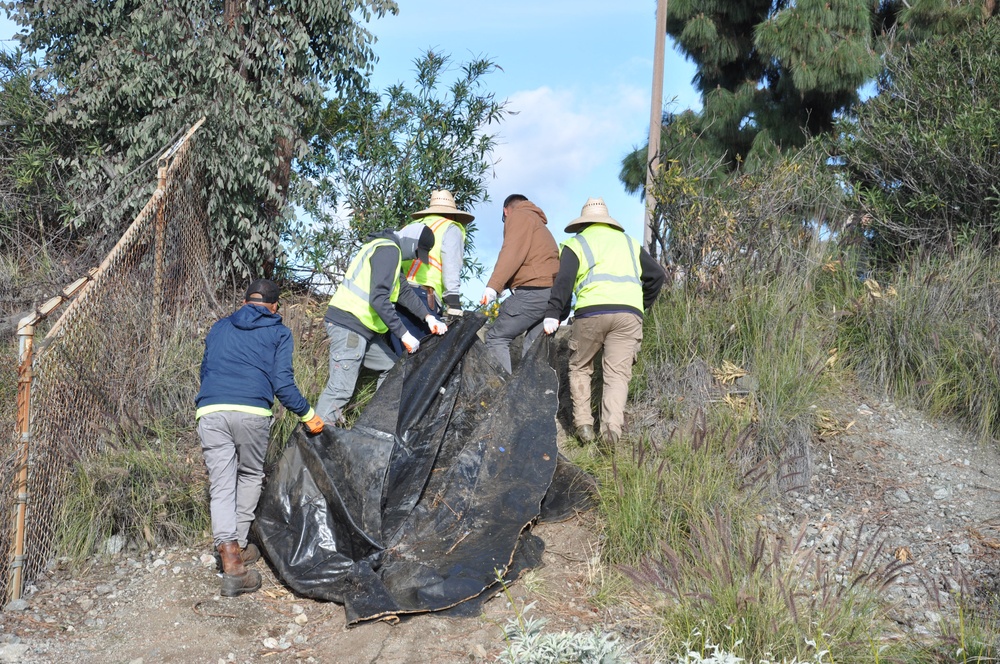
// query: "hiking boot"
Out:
[585,434]
[236,578]
[248,554]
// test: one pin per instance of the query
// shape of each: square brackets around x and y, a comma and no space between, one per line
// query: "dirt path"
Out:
[165,608]
[924,489]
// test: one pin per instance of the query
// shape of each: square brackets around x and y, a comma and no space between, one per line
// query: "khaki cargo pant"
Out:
[619,335]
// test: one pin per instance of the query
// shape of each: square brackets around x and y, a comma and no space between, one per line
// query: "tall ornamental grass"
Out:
[929,335]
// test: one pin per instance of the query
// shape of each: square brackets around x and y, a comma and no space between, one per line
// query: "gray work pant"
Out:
[522,312]
[349,351]
[234,445]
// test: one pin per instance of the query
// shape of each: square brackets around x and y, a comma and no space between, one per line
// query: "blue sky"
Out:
[578,76]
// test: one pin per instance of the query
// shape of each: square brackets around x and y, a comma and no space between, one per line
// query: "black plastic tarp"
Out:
[426,501]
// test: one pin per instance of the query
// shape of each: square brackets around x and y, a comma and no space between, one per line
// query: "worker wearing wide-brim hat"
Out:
[614,280]
[437,281]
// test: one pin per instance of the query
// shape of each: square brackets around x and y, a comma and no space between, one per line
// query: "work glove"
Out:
[550,325]
[488,298]
[314,425]
[410,342]
[436,326]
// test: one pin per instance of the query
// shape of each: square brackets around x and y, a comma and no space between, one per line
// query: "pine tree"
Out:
[771,73]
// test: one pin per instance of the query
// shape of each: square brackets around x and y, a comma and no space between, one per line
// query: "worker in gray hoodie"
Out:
[361,313]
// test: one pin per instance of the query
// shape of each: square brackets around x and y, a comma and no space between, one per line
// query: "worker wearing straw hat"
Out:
[436,281]
[614,280]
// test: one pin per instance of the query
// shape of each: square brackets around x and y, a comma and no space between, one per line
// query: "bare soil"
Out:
[885,479]
[165,607]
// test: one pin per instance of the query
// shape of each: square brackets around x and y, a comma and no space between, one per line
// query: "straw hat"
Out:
[443,203]
[594,212]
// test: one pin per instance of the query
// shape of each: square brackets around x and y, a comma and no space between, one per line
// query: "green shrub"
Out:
[529,643]
[922,154]
[771,320]
[151,494]
[650,494]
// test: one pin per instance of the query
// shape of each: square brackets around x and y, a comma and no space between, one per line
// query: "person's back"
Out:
[609,278]
[527,265]
[247,362]
[241,367]
[532,258]
[614,280]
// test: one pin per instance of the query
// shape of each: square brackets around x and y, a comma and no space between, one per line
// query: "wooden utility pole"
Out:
[655,120]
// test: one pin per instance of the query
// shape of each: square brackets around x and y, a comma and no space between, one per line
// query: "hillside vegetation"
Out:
[867,255]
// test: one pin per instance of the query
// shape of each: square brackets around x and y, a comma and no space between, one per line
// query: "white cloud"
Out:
[559,137]
[563,146]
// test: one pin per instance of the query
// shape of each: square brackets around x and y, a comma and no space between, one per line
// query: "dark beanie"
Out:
[265,290]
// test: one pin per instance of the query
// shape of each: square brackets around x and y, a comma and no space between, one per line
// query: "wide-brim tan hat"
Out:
[443,203]
[594,212]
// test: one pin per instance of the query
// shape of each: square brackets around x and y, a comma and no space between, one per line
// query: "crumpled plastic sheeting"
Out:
[426,500]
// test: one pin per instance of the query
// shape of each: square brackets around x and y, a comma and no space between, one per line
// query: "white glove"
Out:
[488,298]
[437,327]
[550,325]
[410,342]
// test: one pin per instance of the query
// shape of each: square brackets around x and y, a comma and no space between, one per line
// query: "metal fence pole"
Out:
[159,232]
[25,376]
[26,335]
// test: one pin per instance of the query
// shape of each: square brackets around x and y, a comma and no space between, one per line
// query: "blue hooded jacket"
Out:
[247,362]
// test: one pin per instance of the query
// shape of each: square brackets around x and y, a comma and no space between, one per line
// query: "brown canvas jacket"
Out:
[529,255]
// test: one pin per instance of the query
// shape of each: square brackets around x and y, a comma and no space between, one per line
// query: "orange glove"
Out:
[314,425]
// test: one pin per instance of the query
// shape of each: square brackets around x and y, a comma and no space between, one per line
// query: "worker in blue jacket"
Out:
[247,362]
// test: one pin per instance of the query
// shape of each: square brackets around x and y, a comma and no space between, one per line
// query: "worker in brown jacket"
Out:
[527,265]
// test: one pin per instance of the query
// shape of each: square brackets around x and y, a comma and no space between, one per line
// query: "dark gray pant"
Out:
[522,312]
[234,445]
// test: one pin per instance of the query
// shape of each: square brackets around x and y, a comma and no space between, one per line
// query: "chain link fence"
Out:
[99,374]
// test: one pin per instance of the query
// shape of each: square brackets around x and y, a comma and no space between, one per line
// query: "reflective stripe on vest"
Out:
[432,274]
[609,271]
[353,293]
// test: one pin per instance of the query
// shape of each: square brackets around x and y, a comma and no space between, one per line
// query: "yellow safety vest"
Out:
[432,274]
[352,294]
[609,272]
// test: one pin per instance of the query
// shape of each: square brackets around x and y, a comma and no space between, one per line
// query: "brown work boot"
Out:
[236,578]
[585,434]
[249,554]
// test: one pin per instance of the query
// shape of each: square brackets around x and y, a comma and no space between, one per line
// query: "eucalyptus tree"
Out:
[133,73]
[378,155]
